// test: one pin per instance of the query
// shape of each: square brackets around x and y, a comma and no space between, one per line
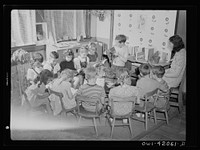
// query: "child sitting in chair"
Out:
[36,93]
[63,85]
[91,89]
[124,90]
[146,83]
[157,74]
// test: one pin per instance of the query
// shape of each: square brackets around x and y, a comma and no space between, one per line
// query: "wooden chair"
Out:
[147,108]
[28,107]
[164,108]
[176,94]
[114,113]
[64,110]
[82,112]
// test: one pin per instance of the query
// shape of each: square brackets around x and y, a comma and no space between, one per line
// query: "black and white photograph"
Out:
[98,75]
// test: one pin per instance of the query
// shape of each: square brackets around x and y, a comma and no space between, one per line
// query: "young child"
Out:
[158,73]
[36,67]
[63,85]
[145,83]
[52,64]
[121,52]
[91,89]
[68,63]
[124,90]
[92,53]
[81,62]
[36,93]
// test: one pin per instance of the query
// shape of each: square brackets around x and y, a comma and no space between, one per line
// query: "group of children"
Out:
[65,77]
[75,77]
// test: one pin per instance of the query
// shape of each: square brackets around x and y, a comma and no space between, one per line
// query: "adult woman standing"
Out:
[174,74]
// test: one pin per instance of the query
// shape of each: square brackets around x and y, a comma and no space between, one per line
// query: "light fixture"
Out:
[101,14]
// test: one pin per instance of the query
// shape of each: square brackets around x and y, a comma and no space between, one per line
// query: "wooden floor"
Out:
[175,131]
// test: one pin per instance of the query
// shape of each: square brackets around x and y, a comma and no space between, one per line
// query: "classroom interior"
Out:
[44,31]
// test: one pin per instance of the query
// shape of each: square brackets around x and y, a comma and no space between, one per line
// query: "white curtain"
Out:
[61,23]
[23,30]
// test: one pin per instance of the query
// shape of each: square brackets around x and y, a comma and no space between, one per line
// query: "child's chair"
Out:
[147,108]
[127,105]
[64,110]
[176,94]
[88,114]
[163,107]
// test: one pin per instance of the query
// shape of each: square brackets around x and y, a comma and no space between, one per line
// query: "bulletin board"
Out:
[149,29]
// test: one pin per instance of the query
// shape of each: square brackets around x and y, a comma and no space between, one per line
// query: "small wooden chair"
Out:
[147,108]
[82,112]
[64,110]
[165,108]
[176,94]
[128,102]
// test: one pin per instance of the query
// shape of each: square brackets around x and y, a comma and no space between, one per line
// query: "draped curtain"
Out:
[65,23]
[23,27]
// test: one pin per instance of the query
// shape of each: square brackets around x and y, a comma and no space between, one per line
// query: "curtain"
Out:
[65,23]
[23,27]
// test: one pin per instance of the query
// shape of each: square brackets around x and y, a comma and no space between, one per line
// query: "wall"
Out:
[101,29]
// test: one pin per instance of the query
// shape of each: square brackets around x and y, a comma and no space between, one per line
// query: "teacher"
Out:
[174,74]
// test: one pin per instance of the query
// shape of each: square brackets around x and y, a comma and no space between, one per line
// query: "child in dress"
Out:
[52,64]
[63,85]
[37,94]
[91,89]
[36,67]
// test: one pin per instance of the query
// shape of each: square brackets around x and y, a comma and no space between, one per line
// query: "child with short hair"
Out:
[157,74]
[91,89]
[52,64]
[124,90]
[145,83]
[63,85]
[68,63]
[37,94]
[120,53]
[36,67]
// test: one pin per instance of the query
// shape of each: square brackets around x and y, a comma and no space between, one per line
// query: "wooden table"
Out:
[133,60]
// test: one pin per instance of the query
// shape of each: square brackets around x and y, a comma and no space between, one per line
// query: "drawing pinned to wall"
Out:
[153,18]
[141,22]
[147,29]
[150,42]
[166,20]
